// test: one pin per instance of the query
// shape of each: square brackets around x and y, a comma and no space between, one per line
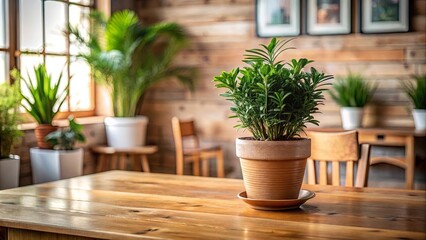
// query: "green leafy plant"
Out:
[10,100]
[45,96]
[65,139]
[416,92]
[128,57]
[273,99]
[352,91]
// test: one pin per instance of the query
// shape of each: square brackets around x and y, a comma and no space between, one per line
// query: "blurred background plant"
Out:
[65,139]
[10,100]
[352,91]
[416,92]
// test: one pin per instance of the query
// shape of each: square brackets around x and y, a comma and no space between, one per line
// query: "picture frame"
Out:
[328,17]
[277,18]
[384,16]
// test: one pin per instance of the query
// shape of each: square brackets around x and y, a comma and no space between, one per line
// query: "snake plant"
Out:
[45,95]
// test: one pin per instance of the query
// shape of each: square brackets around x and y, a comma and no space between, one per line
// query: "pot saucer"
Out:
[276,205]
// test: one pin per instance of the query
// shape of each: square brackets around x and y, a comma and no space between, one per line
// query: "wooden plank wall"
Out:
[220,31]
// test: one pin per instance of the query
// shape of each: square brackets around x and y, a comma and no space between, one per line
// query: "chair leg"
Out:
[220,164]
[145,164]
[136,163]
[363,165]
[101,163]
[114,160]
[179,165]
[196,167]
[122,161]
[205,167]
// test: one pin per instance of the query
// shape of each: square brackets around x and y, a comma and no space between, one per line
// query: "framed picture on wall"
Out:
[328,17]
[275,18]
[381,16]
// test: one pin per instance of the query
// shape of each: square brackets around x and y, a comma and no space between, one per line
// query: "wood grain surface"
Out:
[134,205]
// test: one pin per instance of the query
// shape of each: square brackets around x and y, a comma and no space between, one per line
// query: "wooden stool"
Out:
[118,156]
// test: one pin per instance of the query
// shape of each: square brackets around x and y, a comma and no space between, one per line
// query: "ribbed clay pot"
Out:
[41,132]
[273,170]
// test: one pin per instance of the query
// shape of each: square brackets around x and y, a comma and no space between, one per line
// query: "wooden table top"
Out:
[396,131]
[149,149]
[134,205]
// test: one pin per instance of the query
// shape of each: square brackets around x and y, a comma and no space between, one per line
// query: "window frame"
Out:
[14,52]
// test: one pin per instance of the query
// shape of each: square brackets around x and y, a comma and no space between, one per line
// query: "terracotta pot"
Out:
[40,132]
[273,170]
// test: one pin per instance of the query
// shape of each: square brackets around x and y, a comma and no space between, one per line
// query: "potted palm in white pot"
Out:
[128,58]
[10,100]
[352,93]
[417,95]
[65,160]
[274,100]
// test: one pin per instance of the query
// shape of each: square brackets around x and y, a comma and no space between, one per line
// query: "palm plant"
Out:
[416,92]
[273,99]
[128,57]
[45,95]
[10,100]
[352,91]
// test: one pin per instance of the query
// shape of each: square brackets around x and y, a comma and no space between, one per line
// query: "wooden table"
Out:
[118,156]
[136,205]
[402,137]
[396,137]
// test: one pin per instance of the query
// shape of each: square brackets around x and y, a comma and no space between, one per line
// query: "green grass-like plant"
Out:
[65,139]
[273,99]
[416,92]
[45,96]
[10,100]
[128,57]
[352,91]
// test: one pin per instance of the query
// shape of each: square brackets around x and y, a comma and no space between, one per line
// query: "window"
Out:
[38,36]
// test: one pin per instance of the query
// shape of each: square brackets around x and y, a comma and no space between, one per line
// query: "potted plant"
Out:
[42,99]
[352,93]
[417,94]
[10,100]
[274,100]
[128,58]
[64,161]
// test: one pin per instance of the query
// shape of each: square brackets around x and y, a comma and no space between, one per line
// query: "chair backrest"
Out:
[336,147]
[183,130]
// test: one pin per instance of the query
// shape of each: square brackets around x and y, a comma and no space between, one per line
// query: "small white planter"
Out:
[9,172]
[351,117]
[124,132]
[51,165]
[419,116]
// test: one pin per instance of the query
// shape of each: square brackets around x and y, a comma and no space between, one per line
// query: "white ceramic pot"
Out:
[351,117]
[124,132]
[419,116]
[9,172]
[51,165]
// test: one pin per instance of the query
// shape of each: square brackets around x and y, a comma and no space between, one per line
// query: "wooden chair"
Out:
[337,147]
[188,150]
